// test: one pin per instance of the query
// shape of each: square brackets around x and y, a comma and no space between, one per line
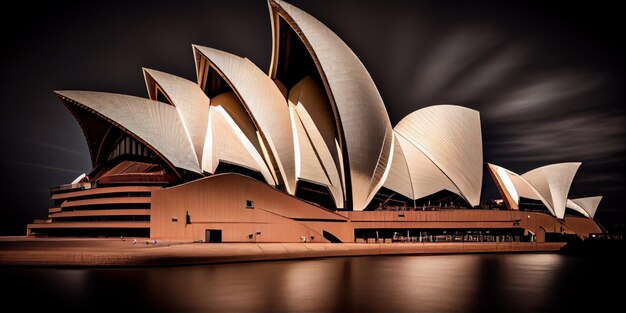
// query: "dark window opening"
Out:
[530,205]
[389,200]
[160,96]
[573,213]
[130,146]
[315,193]
[215,83]
[330,237]
[295,61]
[225,167]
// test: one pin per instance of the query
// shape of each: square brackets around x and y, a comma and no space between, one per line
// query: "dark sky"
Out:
[547,79]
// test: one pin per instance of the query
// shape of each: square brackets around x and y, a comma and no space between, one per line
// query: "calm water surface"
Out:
[456,283]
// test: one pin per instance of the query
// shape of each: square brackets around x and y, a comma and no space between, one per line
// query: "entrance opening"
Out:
[213,235]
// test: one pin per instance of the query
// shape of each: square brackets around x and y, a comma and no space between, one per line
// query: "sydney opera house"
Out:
[304,152]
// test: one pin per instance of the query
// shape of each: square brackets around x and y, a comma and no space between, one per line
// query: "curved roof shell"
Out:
[574,206]
[155,124]
[229,144]
[413,174]
[553,183]
[449,136]
[311,108]
[513,187]
[366,133]
[265,104]
[588,204]
[190,102]
[550,184]
[399,178]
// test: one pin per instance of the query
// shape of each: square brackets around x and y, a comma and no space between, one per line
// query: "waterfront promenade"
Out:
[22,251]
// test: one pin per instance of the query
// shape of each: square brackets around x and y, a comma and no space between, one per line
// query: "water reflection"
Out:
[458,283]
[533,276]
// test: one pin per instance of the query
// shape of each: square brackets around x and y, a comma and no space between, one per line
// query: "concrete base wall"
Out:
[220,203]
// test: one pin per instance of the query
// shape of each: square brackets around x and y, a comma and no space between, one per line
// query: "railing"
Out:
[421,208]
[136,178]
[445,238]
[67,187]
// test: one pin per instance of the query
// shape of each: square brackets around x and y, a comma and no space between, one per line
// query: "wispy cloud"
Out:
[57,147]
[544,94]
[43,166]
[487,75]
[593,136]
[451,56]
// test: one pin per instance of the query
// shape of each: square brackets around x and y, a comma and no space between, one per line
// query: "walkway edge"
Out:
[191,254]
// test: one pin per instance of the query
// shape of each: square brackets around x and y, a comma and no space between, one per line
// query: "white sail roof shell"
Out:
[264,103]
[399,178]
[190,102]
[588,204]
[359,107]
[413,174]
[515,187]
[229,144]
[553,183]
[309,166]
[157,125]
[574,206]
[317,125]
[449,136]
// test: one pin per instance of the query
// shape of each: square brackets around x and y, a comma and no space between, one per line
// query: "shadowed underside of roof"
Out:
[157,125]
